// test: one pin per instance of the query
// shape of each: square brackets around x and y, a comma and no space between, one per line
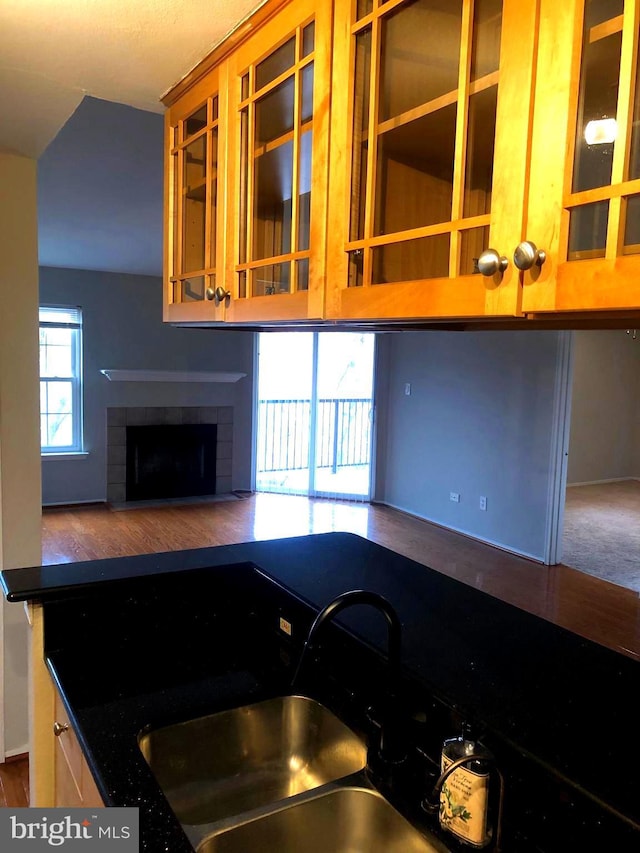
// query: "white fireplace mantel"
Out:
[121,375]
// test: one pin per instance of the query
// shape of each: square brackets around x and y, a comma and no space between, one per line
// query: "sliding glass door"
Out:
[315,413]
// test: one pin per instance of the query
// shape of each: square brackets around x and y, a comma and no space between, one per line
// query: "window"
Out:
[60,380]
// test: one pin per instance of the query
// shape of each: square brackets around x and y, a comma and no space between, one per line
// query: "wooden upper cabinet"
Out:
[431,115]
[584,202]
[277,175]
[195,155]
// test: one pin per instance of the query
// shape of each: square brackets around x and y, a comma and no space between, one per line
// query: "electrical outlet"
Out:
[483,502]
[407,389]
[455,497]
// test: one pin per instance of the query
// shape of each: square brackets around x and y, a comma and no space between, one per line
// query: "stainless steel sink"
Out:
[343,820]
[218,766]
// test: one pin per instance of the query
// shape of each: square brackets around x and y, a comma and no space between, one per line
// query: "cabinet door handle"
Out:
[220,295]
[527,255]
[59,728]
[490,262]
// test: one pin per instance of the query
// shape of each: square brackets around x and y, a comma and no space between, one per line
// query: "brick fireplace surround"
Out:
[118,419]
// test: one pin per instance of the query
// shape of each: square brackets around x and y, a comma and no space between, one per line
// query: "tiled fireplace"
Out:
[118,419]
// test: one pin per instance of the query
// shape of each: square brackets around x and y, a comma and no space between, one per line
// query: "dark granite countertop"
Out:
[125,637]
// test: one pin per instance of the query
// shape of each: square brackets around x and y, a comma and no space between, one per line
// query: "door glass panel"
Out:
[306,76]
[308,38]
[632,228]
[304,191]
[196,121]
[214,194]
[302,272]
[634,158]
[194,197]
[276,63]
[360,133]
[588,231]
[189,289]
[274,113]
[272,279]
[480,143]
[411,260]
[598,11]
[420,54]
[473,242]
[272,207]
[596,128]
[415,172]
[487,28]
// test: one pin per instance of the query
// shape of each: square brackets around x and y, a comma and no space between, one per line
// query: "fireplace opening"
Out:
[170,461]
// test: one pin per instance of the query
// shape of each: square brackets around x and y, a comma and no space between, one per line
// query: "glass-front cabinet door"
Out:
[430,135]
[584,207]
[279,83]
[194,170]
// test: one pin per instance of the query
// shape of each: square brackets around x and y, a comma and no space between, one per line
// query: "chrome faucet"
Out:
[388,747]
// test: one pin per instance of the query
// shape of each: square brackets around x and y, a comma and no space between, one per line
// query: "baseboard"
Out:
[71,504]
[603,482]
[500,545]
[17,754]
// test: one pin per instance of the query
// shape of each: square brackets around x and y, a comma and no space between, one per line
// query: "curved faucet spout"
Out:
[347,599]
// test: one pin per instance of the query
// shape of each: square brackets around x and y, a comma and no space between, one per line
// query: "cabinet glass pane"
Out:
[632,228]
[302,271]
[411,260]
[196,121]
[420,54]
[634,157]
[189,289]
[480,143]
[595,135]
[485,46]
[473,242]
[274,113]
[193,212]
[244,179]
[588,231]
[267,281]
[360,127]
[276,63]
[304,191]
[214,194]
[363,7]
[272,204]
[308,38]
[598,11]
[306,79]
[415,173]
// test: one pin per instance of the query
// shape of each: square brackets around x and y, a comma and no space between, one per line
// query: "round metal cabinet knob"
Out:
[528,255]
[59,728]
[210,294]
[220,295]
[490,262]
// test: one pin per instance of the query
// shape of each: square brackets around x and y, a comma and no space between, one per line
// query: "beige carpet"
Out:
[602,531]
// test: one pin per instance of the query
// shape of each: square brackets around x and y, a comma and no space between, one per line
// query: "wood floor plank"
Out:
[602,611]
[14,783]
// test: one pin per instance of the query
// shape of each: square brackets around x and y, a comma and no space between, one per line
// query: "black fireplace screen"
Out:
[171,461]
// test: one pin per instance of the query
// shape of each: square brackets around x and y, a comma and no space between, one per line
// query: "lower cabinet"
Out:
[74,785]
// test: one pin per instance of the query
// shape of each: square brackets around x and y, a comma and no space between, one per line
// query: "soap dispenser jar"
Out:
[464,795]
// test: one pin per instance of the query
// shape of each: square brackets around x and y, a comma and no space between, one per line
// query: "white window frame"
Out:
[66,317]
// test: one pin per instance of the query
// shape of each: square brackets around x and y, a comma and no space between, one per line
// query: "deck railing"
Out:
[343,430]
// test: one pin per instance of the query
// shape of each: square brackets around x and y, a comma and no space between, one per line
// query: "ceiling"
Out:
[80,89]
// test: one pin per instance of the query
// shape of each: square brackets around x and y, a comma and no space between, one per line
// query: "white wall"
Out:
[604,442]
[478,422]
[122,317]
[19,433]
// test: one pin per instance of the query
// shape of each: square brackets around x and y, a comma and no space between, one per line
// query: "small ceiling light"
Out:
[601,131]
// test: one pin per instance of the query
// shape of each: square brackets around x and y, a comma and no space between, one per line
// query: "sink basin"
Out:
[344,820]
[218,766]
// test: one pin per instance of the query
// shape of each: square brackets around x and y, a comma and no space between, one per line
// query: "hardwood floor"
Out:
[14,783]
[604,612]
